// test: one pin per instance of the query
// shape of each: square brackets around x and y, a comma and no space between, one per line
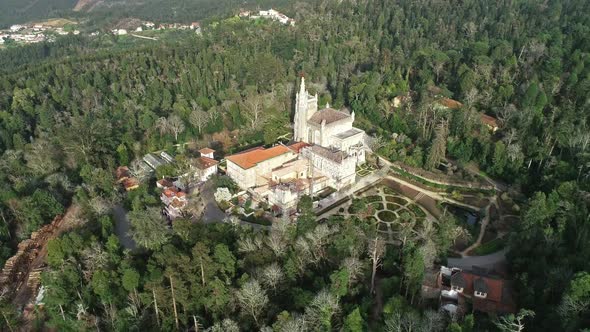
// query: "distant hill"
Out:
[171,10]
[20,11]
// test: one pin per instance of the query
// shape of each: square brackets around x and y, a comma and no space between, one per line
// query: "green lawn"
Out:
[490,247]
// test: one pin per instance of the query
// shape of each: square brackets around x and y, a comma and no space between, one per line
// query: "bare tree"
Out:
[354,267]
[175,125]
[321,309]
[506,113]
[276,243]
[471,97]
[254,105]
[198,118]
[514,323]
[376,251]
[272,275]
[407,322]
[226,325]
[252,299]
[162,126]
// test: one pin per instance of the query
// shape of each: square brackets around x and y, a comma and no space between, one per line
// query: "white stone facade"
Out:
[342,146]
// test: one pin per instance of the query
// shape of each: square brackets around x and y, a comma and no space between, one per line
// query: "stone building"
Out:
[325,153]
[336,146]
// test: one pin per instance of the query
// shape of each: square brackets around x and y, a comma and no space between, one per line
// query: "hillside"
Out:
[419,77]
[174,10]
[20,11]
[105,11]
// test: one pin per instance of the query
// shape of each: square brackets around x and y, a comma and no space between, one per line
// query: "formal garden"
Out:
[390,212]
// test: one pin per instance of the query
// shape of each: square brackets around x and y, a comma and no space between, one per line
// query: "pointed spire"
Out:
[302,88]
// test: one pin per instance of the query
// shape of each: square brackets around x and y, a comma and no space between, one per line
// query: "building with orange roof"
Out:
[297,146]
[450,104]
[122,173]
[244,167]
[490,122]
[205,165]
[207,152]
[130,184]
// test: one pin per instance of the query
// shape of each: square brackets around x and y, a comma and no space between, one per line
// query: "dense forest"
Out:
[66,122]
[20,11]
[97,13]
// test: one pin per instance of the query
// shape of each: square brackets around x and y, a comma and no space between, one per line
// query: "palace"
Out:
[325,153]
[336,147]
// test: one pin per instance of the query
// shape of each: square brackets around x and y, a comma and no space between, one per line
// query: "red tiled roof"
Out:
[206,151]
[130,184]
[450,103]
[494,286]
[249,159]
[297,146]
[203,163]
[165,183]
[122,172]
[489,120]
[171,192]
[178,203]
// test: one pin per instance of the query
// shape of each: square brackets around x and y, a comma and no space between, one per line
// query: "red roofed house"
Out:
[244,167]
[164,184]
[485,291]
[122,173]
[175,201]
[130,184]
[125,178]
[206,166]
[447,103]
[276,175]
[490,122]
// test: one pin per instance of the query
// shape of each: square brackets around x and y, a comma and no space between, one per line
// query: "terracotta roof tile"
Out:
[203,163]
[249,159]
[297,146]
[171,192]
[122,172]
[165,183]
[130,183]
[206,151]
[178,203]
[495,286]
[450,103]
[489,120]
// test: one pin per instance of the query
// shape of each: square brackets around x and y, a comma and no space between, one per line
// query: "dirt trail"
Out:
[20,279]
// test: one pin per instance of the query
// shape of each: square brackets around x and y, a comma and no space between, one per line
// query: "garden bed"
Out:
[386,216]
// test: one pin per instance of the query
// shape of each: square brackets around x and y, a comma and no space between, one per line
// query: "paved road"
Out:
[212,212]
[122,227]
[487,261]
